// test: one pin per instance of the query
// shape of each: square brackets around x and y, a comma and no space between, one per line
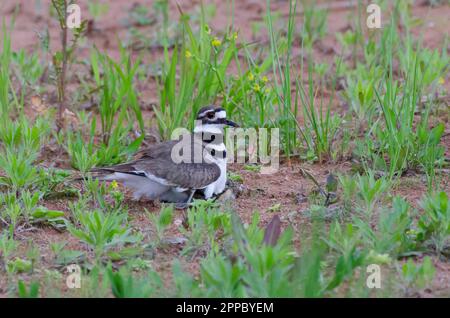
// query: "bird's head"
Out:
[212,118]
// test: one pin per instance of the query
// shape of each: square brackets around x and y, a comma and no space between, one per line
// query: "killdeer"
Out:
[173,171]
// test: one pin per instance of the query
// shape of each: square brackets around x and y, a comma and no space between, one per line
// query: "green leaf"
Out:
[66,257]
[19,265]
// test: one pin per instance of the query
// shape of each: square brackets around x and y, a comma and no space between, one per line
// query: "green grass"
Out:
[286,106]
[193,76]
[118,109]
[8,96]
[321,126]
[118,97]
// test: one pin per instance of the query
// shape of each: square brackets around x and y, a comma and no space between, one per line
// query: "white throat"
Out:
[209,128]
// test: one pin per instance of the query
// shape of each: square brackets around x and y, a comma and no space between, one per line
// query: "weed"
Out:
[19,265]
[315,23]
[259,271]
[29,70]
[7,248]
[204,220]
[124,285]
[360,92]
[19,170]
[31,291]
[7,94]
[391,114]
[86,155]
[321,130]
[287,107]
[401,144]
[370,190]
[161,221]
[434,224]
[392,234]
[61,59]
[102,232]
[118,95]
[203,60]
[417,276]
[21,146]
[235,177]
[24,210]
[118,99]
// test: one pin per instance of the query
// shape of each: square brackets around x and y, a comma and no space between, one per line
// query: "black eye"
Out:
[210,115]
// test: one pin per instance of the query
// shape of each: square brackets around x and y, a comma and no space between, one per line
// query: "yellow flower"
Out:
[267,90]
[114,184]
[232,37]
[265,79]
[188,54]
[441,80]
[251,77]
[256,87]
[216,42]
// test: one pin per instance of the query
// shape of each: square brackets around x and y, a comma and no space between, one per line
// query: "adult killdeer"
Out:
[173,171]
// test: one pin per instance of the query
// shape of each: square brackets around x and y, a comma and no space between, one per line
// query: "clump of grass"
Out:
[321,126]
[406,145]
[204,220]
[7,94]
[281,68]
[119,109]
[314,23]
[24,291]
[25,211]
[161,221]
[224,278]
[397,142]
[21,144]
[201,60]
[101,231]
[360,92]
[417,276]
[29,70]
[392,236]
[118,97]
[126,285]
[362,193]
[434,224]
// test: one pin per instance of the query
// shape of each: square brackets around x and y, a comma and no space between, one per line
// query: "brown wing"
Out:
[155,162]
[184,175]
[163,149]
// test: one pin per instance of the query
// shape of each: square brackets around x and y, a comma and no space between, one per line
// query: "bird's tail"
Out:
[102,174]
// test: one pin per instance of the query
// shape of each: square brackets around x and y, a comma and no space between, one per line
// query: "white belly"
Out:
[217,186]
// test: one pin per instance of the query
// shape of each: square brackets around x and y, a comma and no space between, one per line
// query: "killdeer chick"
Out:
[173,171]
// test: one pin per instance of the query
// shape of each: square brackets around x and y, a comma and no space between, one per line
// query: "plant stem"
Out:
[62,75]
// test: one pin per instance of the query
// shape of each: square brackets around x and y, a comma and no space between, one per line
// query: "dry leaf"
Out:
[273,231]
